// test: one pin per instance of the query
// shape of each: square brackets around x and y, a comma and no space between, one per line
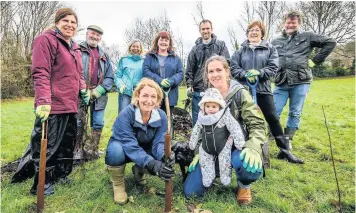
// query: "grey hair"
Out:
[132,42]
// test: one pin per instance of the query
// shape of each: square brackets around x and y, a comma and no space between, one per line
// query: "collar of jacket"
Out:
[263,44]
[155,119]
[85,47]
[134,57]
[57,33]
[155,53]
[200,40]
[294,34]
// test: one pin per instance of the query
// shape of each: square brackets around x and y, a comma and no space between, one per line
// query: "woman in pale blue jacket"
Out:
[129,72]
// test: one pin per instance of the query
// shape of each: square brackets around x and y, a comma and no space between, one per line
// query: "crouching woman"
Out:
[138,136]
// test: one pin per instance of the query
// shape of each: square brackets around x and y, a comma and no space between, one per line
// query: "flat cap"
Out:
[95,28]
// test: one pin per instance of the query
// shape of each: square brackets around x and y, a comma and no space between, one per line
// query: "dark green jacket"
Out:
[245,111]
[294,54]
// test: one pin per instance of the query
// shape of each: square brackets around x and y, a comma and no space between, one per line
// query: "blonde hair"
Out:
[223,61]
[132,42]
[147,82]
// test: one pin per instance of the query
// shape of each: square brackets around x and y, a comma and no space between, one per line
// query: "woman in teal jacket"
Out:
[129,73]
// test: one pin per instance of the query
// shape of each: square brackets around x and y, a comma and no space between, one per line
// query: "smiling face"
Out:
[68,26]
[93,38]
[217,74]
[135,48]
[291,25]
[206,30]
[211,108]
[147,99]
[163,44]
[254,34]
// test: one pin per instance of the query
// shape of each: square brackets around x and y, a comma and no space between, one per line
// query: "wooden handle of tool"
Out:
[167,153]
[42,170]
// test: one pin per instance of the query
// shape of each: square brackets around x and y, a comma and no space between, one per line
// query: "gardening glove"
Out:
[252,160]
[194,163]
[311,64]
[160,169]
[42,112]
[165,83]
[171,160]
[85,95]
[251,73]
[122,88]
[252,79]
[190,92]
[98,92]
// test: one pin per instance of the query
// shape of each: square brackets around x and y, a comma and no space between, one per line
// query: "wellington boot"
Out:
[117,174]
[244,196]
[282,142]
[139,175]
[286,154]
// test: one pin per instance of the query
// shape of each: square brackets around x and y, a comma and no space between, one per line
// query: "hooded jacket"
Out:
[129,72]
[196,61]
[57,72]
[263,58]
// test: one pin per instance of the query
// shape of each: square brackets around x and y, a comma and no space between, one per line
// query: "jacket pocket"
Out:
[279,77]
[101,102]
[304,74]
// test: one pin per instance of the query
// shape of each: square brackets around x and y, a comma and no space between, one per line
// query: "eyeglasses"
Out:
[254,30]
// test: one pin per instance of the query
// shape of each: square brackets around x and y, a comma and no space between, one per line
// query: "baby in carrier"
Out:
[217,129]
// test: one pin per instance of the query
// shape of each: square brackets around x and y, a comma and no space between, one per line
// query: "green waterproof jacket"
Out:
[294,53]
[245,111]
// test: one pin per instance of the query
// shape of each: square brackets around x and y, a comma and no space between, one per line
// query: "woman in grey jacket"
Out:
[257,60]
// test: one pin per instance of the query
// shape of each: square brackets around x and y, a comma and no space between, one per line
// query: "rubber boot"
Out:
[286,153]
[244,196]
[139,175]
[289,132]
[93,149]
[117,174]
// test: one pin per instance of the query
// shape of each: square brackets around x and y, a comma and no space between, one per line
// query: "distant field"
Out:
[287,187]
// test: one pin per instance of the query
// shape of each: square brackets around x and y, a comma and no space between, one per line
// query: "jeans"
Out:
[193,185]
[195,106]
[296,95]
[124,101]
[97,119]
[266,104]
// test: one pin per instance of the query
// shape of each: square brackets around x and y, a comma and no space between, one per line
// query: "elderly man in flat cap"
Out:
[99,78]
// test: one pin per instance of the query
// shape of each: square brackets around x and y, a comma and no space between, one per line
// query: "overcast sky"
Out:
[116,16]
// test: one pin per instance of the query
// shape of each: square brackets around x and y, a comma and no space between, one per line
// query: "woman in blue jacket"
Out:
[138,136]
[164,67]
[129,73]
[258,59]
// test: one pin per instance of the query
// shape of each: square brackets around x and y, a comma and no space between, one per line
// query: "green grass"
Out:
[287,187]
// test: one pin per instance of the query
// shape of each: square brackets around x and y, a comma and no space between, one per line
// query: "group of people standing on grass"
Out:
[71,80]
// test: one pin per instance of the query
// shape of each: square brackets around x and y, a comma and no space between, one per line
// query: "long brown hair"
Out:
[163,34]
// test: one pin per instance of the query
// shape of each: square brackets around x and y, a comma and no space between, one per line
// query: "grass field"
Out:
[287,187]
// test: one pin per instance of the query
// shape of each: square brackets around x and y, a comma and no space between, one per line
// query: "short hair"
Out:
[147,82]
[162,34]
[134,41]
[63,12]
[206,21]
[293,14]
[260,25]
[219,58]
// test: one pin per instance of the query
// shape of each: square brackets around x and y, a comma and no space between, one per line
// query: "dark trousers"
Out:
[266,104]
[61,139]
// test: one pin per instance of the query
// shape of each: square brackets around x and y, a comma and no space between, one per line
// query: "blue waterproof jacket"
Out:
[129,72]
[105,73]
[173,71]
[140,142]
[263,58]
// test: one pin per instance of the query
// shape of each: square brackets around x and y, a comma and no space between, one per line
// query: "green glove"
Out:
[85,95]
[165,83]
[252,79]
[98,91]
[252,160]
[42,112]
[311,64]
[251,73]
[194,163]
[122,88]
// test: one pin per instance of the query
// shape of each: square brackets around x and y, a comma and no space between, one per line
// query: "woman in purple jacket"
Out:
[58,82]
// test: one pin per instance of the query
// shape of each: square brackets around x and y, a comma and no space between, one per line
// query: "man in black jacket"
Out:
[205,47]
[294,76]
